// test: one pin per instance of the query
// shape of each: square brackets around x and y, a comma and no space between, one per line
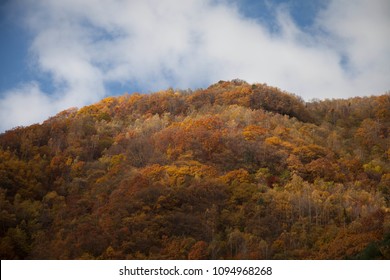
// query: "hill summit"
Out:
[234,171]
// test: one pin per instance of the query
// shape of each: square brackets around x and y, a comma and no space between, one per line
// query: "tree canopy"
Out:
[234,171]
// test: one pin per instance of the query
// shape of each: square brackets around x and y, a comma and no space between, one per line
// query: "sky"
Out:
[60,54]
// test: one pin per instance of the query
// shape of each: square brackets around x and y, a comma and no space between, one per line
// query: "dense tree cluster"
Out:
[234,171]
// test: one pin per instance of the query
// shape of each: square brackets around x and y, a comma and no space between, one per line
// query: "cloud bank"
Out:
[84,46]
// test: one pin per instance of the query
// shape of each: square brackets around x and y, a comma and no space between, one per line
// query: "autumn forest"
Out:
[234,171]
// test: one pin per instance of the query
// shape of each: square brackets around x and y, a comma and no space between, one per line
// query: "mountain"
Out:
[234,171]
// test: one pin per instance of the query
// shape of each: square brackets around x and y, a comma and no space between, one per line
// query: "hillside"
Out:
[234,171]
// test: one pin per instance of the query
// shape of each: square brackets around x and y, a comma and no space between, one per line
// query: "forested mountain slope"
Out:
[234,171]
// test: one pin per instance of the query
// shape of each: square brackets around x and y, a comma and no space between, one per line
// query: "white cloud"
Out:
[24,105]
[359,31]
[84,45]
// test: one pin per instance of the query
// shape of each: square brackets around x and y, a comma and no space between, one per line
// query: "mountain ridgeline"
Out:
[234,171]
